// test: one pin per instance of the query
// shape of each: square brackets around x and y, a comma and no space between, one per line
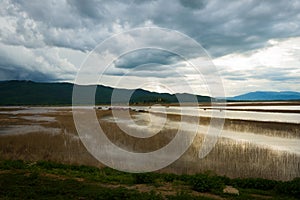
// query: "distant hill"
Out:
[267,96]
[34,93]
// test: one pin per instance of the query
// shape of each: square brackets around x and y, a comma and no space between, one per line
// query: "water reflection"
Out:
[291,145]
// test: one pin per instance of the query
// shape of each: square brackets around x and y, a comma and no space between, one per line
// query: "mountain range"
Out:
[267,96]
[34,93]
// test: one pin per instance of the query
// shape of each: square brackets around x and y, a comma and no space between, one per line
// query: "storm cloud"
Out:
[48,40]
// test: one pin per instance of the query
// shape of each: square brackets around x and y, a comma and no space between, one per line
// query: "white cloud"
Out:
[274,67]
[35,64]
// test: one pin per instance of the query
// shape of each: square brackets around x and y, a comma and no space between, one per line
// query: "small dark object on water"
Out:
[143,111]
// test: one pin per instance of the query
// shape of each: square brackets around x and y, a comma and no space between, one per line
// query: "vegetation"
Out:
[208,183]
[32,93]
[49,180]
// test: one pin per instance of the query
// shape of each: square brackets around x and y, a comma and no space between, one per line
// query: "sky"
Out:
[251,45]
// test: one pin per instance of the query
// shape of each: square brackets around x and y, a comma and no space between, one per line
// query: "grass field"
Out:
[49,180]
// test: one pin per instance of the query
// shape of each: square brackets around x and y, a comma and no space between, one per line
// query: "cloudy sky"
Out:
[254,44]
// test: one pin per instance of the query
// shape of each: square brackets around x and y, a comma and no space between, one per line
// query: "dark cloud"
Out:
[261,73]
[9,73]
[146,63]
[221,27]
[234,75]
[144,56]
[50,14]
[193,4]
[156,70]
[278,74]
[90,9]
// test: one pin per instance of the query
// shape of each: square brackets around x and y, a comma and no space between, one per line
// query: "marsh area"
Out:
[260,141]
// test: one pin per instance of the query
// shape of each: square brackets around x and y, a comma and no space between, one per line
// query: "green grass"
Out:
[35,186]
[48,180]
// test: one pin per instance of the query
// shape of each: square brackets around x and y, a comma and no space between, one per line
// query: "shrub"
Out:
[144,178]
[291,188]
[254,183]
[12,164]
[169,177]
[200,183]
[207,183]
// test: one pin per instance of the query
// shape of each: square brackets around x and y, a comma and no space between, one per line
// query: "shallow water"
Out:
[231,114]
[25,129]
[262,107]
[237,154]
[39,118]
[204,111]
[275,143]
[237,112]
[291,145]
